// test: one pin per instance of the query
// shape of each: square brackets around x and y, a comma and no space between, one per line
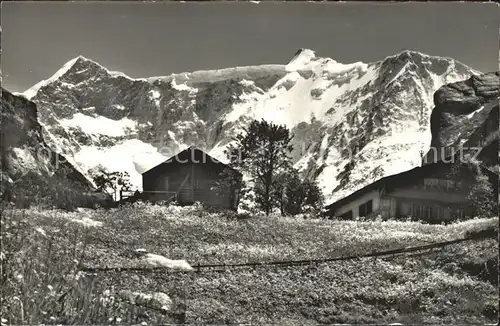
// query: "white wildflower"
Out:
[79,275]
[41,231]
[87,222]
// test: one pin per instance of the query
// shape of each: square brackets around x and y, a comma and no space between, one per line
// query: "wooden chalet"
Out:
[430,193]
[190,176]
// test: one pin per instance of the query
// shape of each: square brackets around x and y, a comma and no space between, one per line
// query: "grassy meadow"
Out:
[42,251]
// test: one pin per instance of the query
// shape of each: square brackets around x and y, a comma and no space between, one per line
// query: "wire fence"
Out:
[304,262]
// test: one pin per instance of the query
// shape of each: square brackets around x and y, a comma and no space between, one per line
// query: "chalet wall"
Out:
[437,194]
[191,182]
[168,180]
[433,201]
[205,179]
[431,211]
[387,207]
[354,205]
[430,196]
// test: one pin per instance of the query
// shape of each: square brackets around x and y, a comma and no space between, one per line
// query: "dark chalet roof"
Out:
[189,155]
[401,179]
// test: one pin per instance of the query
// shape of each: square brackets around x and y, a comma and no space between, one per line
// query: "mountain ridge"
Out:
[30,92]
[349,120]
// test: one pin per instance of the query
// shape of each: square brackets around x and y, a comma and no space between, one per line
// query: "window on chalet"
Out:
[385,203]
[442,185]
[424,212]
[365,209]
[428,212]
[431,183]
[440,213]
[460,213]
[416,210]
[346,216]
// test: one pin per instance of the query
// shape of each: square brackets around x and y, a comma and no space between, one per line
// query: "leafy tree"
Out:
[110,182]
[262,152]
[314,196]
[293,193]
[481,197]
[297,196]
[279,191]
[229,180]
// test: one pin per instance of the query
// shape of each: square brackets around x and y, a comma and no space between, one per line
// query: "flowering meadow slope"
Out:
[457,284]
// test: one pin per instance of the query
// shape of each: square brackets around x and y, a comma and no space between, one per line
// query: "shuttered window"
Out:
[428,212]
[441,185]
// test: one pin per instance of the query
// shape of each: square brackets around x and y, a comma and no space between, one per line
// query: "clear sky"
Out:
[151,39]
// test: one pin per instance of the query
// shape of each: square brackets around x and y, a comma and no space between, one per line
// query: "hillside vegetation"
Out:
[45,248]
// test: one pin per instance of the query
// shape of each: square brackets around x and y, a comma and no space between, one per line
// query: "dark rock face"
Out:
[19,117]
[23,148]
[466,96]
[465,114]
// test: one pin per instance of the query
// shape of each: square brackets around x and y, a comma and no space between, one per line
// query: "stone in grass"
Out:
[156,300]
[153,260]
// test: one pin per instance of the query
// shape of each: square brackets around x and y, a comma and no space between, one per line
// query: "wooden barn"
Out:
[429,192]
[190,176]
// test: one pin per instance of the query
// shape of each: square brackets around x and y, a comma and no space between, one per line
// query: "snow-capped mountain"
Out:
[353,123]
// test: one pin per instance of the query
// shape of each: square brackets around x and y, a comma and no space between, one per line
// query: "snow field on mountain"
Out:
[132,156]
[210,76]
[100,125]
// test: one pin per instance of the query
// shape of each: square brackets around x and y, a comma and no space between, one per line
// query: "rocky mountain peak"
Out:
[96,116]
[418,62]
[77,70]
[303,54]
